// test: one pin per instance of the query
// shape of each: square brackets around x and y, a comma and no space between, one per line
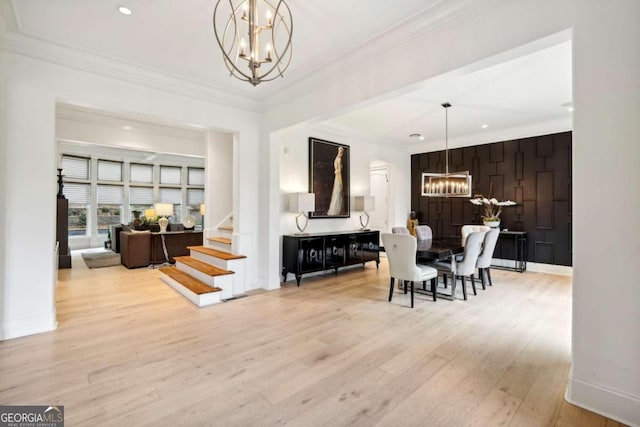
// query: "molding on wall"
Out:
[121,70]
[604,401]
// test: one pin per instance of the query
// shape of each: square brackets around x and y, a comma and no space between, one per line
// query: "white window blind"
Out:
[170,175]
[171,195]
[75,167]
[109,171]
[77,193]
[141,173]
[140,195]
[196,176]
[110,194]
[195,196]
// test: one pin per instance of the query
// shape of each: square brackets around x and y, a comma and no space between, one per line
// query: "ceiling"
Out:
[524,92]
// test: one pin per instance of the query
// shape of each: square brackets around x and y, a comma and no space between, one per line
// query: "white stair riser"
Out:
[225,233]
[235,265]
[224,282]
[199,300]
[219,246]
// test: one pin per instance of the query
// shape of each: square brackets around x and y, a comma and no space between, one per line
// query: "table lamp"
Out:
[163,210]
[302,203]
[364,204]
[202,211]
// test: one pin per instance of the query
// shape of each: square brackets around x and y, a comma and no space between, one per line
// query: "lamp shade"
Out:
[364,203]
[302,202]
[202,210]
[164,209]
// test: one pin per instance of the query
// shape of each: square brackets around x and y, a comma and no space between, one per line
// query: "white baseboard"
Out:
[561,270]
[614,404]
[30,326]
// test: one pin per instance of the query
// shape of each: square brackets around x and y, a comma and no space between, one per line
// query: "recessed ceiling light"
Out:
[484,126]
[416,135]
[126,127]
[124,10]
[570,109]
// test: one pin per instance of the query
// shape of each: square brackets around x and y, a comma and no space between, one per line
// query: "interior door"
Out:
[380,191]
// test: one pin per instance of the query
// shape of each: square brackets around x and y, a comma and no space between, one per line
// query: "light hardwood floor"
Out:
[131,351]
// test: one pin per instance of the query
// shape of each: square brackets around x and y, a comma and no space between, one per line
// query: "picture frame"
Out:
[332,191]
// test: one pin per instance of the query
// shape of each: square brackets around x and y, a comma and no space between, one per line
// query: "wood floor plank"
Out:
[131,351]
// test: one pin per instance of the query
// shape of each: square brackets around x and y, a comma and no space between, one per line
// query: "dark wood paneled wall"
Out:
[535,172]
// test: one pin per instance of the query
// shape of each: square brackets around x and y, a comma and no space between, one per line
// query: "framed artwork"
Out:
[329,178]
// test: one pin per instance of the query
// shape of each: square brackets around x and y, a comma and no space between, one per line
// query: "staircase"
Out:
[211,273]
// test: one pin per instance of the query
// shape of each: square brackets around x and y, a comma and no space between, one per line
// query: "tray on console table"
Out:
[308,253]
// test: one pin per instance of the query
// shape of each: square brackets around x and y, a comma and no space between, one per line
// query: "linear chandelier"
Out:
[455,184]
[236,22]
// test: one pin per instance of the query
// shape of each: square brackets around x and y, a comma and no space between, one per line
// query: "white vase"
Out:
[492,224]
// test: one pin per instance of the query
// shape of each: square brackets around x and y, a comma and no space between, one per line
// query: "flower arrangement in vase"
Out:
[492,208]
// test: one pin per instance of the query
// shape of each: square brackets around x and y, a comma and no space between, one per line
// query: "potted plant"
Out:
[492,208]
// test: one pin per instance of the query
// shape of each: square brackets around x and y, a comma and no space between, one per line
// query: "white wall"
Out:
[605,374]
[33,88]
[219,197]
[293,150]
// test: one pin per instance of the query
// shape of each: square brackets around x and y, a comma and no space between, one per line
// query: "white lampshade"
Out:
[302,202]
[364,203]
[164,209]
[202,210]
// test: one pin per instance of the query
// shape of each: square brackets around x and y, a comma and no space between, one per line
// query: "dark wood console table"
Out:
[520,250]
[307,253]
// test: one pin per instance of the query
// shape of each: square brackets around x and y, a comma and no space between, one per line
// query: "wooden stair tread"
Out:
[203,267]
[226,228]
[222,240]
[191,283]
[215,253]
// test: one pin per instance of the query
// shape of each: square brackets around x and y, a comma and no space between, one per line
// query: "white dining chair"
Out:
[401,254]
[400,230]
[486,255]
[424,232]
[468,229]
[460,268]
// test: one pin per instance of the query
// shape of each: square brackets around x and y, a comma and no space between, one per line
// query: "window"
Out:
[141,173]
[79,196]
[74,167]
[109,171]
[173,196]
[140,199]
[170,175]
[110,200]
[195,176]
[195,196]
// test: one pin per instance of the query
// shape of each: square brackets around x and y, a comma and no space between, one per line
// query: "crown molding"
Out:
[385,45]
[113,68]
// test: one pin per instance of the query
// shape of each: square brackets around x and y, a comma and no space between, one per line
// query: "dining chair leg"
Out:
[411,294]
[489,276]
[434,283]
[481,274]
[391,288]
[405,284]
[464,287]
[444,280]
[473,285]
[453,286]
[424,285]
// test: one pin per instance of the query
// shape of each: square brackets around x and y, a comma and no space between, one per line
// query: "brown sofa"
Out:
[139,249]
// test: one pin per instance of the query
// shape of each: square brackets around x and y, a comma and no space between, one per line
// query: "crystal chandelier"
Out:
[239,25]
[455,184]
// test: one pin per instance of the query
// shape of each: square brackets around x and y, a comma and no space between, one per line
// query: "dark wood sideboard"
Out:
[307,253]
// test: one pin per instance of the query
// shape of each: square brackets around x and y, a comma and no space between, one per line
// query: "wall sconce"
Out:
[302,203]
[364,204]
[163,210]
